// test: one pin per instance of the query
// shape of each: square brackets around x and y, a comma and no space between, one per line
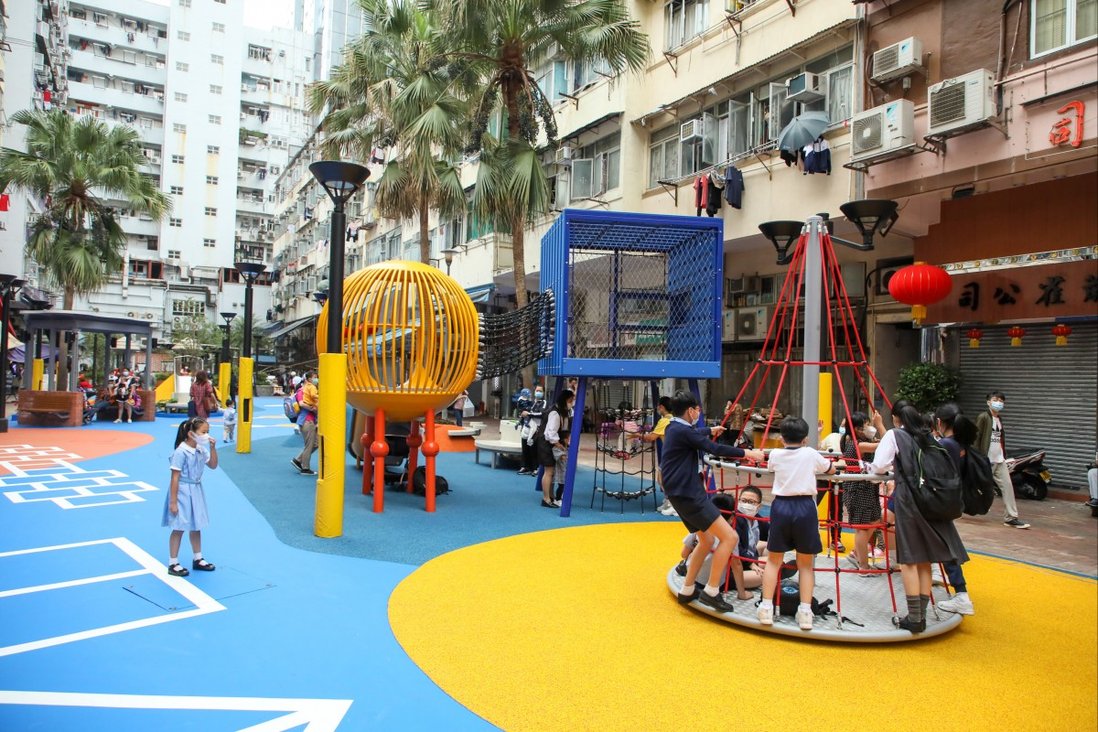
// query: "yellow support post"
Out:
[38,372]
[224,380]
[825,405]
[332,434]
[244,413]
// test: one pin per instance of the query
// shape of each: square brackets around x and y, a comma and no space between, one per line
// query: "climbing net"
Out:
[625,464]
[511,340]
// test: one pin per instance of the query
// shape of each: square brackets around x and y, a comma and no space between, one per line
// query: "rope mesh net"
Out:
[511,340]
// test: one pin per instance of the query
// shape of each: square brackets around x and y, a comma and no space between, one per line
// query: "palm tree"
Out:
[392,90]
[503,40]
[77,166]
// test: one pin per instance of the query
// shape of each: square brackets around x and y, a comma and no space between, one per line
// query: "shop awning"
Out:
[480,293]
[290,327]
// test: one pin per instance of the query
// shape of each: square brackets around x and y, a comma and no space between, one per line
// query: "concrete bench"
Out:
[465,432]
[497,448]
[50,408]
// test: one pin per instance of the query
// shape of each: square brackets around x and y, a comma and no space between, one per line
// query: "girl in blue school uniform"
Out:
[185,504]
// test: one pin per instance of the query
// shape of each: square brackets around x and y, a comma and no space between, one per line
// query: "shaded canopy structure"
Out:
[54,322]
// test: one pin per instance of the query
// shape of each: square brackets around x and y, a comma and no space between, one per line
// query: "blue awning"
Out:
[480,293]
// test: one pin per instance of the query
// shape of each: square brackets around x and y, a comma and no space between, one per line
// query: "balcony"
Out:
[114,65]
[117,37]
[117,98]
[250,204]
[139,226]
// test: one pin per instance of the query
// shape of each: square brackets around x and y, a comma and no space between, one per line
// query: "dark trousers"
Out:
[956,576]
[529,456]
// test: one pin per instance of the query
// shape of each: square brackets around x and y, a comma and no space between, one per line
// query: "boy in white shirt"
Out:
[794,523]
[229,426]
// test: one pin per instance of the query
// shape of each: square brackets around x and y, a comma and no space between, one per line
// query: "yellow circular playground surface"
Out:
[574,629]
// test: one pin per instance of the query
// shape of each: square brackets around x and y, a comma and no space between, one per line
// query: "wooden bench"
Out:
[506,448]
[50,408]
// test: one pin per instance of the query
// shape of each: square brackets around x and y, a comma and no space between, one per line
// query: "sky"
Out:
[265,13]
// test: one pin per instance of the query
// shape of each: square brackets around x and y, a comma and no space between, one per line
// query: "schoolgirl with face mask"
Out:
[859,434]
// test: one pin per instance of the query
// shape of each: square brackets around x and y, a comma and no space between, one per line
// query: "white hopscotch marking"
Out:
[45,474]
[204,604]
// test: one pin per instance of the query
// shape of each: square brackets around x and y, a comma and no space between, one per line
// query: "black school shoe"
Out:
[716,602]
[178,570]
[680,568]
[202,565]
[906,623]
[687,599]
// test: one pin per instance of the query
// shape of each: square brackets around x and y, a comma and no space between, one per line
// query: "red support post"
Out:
[367,456]
[430,450]
[379,448]
[414,441]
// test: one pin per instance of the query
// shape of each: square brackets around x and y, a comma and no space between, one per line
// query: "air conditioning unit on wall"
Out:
[563,155]
[962,103]
[898,60]
[751,323]
[691,131]
[803,88]
[728,325]
[882,129]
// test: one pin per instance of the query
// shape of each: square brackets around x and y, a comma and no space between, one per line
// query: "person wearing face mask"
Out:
[532,410]
[863,505]
[185,503]
[991,439]
[552,445]
[306,421]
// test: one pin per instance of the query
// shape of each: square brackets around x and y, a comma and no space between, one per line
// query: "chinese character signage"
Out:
[1048,291]
[1068,129]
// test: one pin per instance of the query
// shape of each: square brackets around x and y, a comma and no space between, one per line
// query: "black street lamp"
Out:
[249,272]
[321,297]
[8,285]
[448,255]
[340,181]
[226,353]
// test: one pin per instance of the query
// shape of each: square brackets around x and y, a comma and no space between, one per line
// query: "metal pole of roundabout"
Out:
[340,181]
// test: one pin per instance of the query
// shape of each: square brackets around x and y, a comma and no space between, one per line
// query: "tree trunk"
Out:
[424,238]
[518,227]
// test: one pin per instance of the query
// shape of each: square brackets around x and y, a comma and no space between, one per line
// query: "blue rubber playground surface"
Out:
[291,632]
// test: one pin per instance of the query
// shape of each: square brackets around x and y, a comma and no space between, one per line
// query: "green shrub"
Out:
[928,385]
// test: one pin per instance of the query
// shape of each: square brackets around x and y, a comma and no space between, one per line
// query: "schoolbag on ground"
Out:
[933,479]
[977,483]
[419,483]
[291,407]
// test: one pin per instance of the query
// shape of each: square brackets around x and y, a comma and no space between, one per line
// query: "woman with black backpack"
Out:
[958,434]
[919,541]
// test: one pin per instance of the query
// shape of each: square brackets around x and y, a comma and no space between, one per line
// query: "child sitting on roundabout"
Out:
[683,443]
[747,569]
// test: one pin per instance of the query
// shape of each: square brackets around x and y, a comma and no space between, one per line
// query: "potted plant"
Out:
[928,385]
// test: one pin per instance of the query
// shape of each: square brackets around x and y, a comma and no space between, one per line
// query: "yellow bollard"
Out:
[825,405]
[38,372]
[224,381]
[332,435]
[244,412]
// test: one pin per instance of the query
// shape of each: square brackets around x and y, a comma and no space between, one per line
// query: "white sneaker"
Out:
[936,575]
[804,619]
[959,603]
[766,615]
[117,421]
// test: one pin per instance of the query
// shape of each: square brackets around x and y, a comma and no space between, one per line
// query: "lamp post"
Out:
[8,285]
[448,255]
[871,217]
[249,272]
[340,181]
[225,369]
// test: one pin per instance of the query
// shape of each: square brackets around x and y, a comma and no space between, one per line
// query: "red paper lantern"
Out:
[974,337]
[1061,332]
[919,285]
[1016,335]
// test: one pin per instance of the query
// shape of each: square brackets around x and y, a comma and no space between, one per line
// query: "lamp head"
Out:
[250,271]
[8,280]
[782,234]
[321,296]
[228,317]
[448,255]
[872,216]
[339,178]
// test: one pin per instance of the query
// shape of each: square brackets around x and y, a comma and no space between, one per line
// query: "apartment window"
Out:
[211,211]
[222,2]
[177,159]
[213,149]
[211,243]
[211,180]
[217,59]
[175,223]
[184,3]
[597,168]
[215,119]
[188,308]
[218,27]
[553,80]
[180,97]
[663,155]
[176,190]
[174,254]
[180,66]
[1056,24]
[215,89]
[177,127]
[183,35]
[683,20]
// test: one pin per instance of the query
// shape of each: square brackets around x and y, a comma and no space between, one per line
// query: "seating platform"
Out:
[497,448]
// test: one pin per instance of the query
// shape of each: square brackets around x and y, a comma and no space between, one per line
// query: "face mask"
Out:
[871,432]
[314,382]
[842,430]
[538,395]
[995,406]
[750,509]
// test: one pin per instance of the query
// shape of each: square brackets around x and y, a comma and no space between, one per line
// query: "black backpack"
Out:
[977,483]
[419,483]
[932,478]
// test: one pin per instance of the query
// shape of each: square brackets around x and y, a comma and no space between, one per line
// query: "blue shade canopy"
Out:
[802,130]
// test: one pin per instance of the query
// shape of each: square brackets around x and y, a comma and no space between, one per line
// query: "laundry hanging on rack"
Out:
[733,186]
[817,157]
[701,193]
[713,203]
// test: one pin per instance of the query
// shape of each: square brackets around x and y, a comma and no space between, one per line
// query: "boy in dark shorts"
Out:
[794,523]
[682,445]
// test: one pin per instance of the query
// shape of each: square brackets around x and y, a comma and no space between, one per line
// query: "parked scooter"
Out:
[1028,474]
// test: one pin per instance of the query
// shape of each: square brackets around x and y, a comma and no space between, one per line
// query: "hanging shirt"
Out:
[817,157]
[733,186]
[714,201]
[701,193]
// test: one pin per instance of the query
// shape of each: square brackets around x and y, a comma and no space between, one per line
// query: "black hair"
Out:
[681,401]
[793,430]
[186,427]
[561,405]
[992,394]
[857,420]
[964,431]
[913,424]
[753,489]
[665,402]
[724,502]
[229,402]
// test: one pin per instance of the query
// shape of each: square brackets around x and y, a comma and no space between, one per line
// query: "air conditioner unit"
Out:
[803,88]
[882,129]
[563,155]
[962,103]
[899,59]
[728,325]
[751,323]
[691,131]
[740,285]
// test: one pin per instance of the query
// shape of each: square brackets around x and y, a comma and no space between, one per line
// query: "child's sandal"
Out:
[202,565]
[178,570]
